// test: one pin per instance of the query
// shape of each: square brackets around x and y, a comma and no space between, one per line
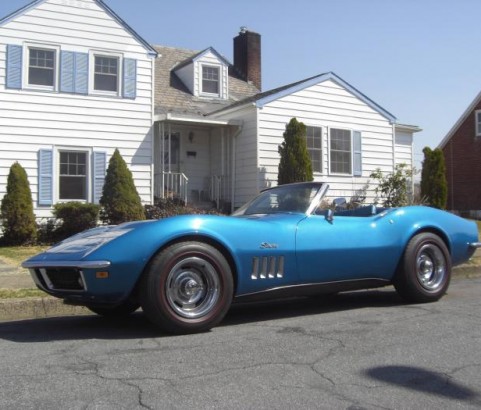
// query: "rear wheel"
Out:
[425,270]
[187,288]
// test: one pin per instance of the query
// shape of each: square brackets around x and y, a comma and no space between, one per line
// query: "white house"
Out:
[76,82]
[223,135]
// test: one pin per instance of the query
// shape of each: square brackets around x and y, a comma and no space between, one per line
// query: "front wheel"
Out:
[187,288]
[425,270]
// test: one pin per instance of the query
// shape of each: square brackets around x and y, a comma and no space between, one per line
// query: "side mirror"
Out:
[329,215]
[340,203]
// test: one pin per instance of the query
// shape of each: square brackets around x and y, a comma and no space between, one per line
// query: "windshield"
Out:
[285,198]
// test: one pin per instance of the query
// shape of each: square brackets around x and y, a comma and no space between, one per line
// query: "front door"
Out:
[171,150]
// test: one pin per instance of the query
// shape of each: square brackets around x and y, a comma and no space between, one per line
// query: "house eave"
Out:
[408,128]
[319,79]
[460,120]
[191,120]
[150,50]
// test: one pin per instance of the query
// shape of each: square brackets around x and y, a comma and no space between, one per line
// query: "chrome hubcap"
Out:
[192,287]
[431,267]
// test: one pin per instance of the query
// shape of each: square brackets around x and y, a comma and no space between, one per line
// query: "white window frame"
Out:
[477,123]
[101,53]
[321,172]
[351,151]
[56,173]
[26,66]
[201,80]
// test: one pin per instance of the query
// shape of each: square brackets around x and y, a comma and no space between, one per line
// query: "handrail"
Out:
[171,185]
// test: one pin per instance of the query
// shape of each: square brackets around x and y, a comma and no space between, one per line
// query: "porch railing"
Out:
[218,189]
[171,185]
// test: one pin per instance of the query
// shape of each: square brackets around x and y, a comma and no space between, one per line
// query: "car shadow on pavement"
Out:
[424,381]
[137,326]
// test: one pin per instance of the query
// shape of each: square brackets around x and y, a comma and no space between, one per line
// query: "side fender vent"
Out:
[267,267]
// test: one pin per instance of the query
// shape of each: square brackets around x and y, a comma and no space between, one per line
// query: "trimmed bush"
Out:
[295,163]
[120,201]
[167,207]
[75,217]
[18,219]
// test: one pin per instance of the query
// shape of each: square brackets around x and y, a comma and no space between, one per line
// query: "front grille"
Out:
[61,279]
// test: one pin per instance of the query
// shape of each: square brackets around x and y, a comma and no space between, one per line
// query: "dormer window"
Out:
[210,80]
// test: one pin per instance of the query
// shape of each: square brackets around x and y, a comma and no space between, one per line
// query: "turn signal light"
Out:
[101,275]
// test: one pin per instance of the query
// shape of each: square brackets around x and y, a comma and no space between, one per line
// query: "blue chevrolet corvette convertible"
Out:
[185,271]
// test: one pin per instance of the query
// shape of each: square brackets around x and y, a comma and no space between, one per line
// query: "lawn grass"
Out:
[15,255]
[21,293]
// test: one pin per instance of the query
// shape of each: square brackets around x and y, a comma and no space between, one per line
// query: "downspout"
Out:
[152,144]
[393,147]
[234,143]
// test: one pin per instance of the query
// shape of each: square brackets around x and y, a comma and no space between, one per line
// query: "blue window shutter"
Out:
[67,66]
[357,153]
[99,165]
[130,78]
[81,73]
[74,72]
[14,66]
[45,177]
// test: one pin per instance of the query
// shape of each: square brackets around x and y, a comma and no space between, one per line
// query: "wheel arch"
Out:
[194,238]
[435,231]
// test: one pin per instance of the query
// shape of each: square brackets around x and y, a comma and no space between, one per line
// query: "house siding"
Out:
[33,120]
[246,179]
[327,105]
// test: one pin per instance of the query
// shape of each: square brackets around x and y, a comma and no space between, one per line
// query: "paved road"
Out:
[364,350]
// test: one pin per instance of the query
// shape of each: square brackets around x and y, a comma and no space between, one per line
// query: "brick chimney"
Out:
[247,56]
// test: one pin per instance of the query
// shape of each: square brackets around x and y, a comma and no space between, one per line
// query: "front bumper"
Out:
[475,245]
[63,278]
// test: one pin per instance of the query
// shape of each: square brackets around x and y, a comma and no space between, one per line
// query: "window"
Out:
[477,116]
[41,67]
[340,151]
[314,146]
[106,74]
[210,80]
[73,175]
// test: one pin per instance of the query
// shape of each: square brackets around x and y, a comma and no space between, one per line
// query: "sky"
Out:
[418,59]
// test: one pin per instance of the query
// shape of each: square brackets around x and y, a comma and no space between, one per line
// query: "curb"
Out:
[36,308]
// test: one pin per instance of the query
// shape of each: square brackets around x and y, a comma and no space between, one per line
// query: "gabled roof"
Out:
[173,97]
[101,4]
[266,97]
[201,54]
[461,119]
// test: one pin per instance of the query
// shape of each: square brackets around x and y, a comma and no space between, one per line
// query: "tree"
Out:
[295,163]
[394,188]
[434,186]
[18,219]
[120,201]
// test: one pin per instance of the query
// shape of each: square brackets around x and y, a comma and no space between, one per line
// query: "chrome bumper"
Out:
[67,264]
[475,245]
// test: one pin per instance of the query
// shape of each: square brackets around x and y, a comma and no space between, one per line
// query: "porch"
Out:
[194,161]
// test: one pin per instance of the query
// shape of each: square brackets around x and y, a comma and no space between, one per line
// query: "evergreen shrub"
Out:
[18,219]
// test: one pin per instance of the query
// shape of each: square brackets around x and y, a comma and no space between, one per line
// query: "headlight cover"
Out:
[88,241]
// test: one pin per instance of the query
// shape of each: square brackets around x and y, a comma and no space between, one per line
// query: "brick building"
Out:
[462,153]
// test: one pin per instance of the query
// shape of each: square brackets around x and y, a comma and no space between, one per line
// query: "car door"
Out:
[346,248]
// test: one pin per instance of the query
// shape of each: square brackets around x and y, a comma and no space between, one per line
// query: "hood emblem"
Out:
[266,245]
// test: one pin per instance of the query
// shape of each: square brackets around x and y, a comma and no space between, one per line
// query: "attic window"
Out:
[210,80]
